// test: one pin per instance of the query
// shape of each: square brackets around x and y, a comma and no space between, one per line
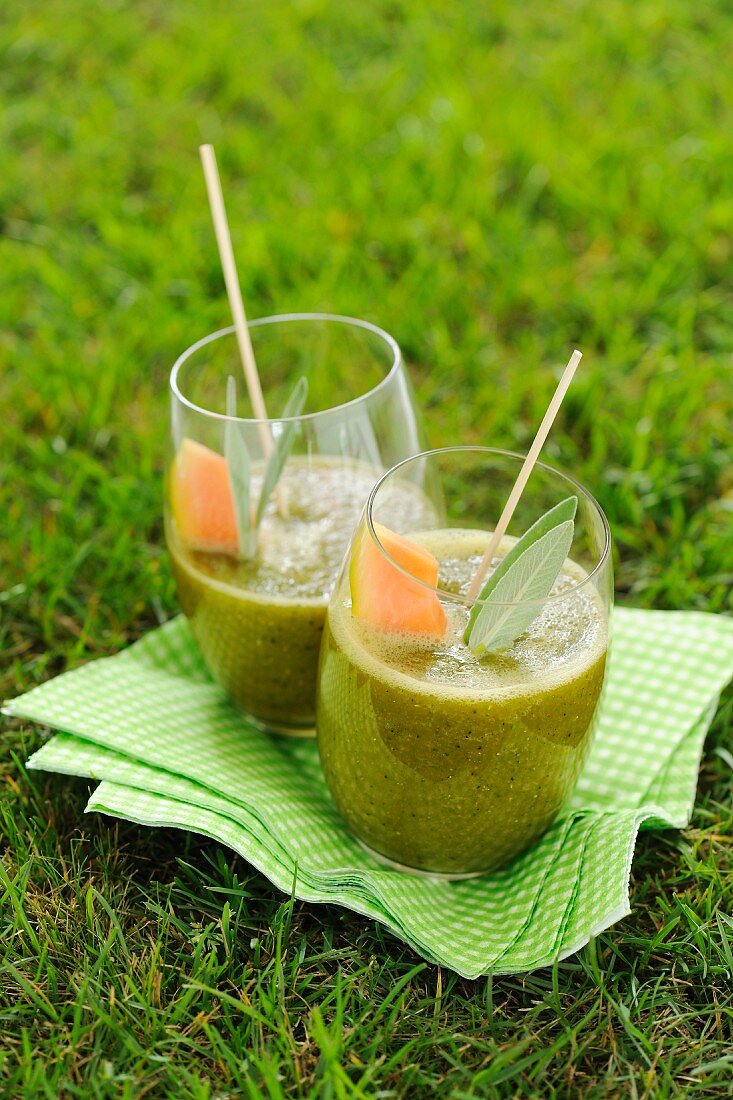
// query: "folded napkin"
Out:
[170,750]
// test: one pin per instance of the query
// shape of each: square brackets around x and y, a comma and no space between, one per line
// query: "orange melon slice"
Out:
[201,499]
[382,595]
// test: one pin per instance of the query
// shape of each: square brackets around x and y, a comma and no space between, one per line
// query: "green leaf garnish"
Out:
[239,464]
[283,446]
[239,470]
[558,514]
[526,573]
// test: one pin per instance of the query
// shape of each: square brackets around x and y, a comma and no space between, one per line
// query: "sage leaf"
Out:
[283,445]
[565,510]
[505,614]
[239,469]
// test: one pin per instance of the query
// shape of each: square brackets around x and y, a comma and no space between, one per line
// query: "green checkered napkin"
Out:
[170,750]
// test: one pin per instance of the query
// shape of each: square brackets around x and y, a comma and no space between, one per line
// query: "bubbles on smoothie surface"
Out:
[299,555]
[564,631]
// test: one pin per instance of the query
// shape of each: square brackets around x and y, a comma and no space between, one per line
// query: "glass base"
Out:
[419,872]
[284,729]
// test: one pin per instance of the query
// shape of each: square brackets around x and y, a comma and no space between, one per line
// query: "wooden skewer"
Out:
[236,304]
[527,467]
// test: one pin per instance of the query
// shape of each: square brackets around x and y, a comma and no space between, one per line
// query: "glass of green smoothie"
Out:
[441,759]
[256,541]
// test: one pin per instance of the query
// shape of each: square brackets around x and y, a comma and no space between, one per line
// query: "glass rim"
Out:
[276,318]
[468,601]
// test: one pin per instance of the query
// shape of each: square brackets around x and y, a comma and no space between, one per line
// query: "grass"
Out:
[493,184]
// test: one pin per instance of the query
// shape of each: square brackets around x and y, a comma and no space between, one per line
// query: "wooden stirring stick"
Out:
[527,467]
[246,351]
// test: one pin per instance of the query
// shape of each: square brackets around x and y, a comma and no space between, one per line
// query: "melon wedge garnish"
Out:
[201,499]
[386,597]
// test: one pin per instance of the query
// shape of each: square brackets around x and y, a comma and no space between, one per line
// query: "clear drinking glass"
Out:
[258,616]
[440,761]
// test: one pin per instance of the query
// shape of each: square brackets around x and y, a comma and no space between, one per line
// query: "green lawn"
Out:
[494,184]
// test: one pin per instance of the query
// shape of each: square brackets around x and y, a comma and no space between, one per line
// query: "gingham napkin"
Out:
[171,751]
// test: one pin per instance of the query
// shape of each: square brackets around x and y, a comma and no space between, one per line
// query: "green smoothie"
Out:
[442,761]
[258,623]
